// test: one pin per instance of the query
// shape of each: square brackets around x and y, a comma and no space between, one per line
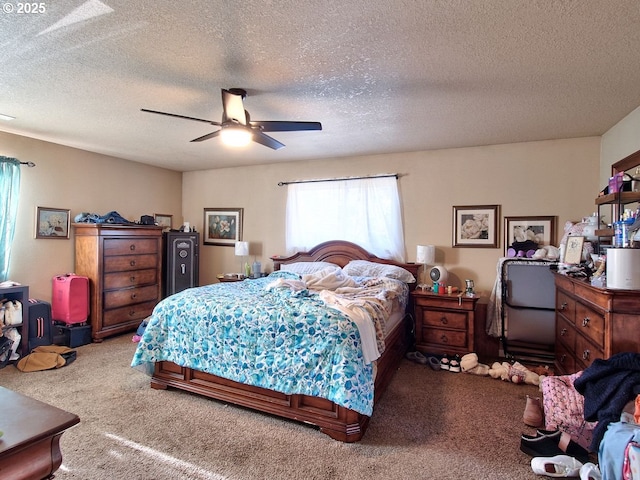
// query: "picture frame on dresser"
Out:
[163,220]
[476,226]
[222,226]
[540,229]
[573,254]
[52,223]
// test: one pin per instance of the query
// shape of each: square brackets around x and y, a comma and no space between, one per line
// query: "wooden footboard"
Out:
[339,423]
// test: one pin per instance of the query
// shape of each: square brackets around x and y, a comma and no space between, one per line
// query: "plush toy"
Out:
[548,252]
[515,373]
[469,364]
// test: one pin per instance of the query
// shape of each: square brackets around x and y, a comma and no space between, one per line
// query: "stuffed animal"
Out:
[515,373]
[548,252]
[469,364]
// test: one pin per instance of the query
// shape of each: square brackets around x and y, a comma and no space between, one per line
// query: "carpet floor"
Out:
[428,425]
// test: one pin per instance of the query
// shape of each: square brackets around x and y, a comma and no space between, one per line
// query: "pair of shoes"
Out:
[533,414]
[434,363]
[589,471]
[549,446]
[556,466]
[444,362]
[454,364]
[417,357]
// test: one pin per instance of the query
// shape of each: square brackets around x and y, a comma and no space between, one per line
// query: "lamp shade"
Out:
[426,254]
[242,249]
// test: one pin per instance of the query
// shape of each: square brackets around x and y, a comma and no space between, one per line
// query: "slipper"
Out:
[417,357]
[444,363]
[434,363]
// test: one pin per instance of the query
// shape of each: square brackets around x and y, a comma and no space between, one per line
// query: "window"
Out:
[9,192]
[363,211]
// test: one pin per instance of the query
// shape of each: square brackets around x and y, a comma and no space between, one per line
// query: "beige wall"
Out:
[619,142]
[82,182]
[558,177]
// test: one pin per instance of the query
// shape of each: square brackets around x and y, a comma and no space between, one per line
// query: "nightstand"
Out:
[444,322]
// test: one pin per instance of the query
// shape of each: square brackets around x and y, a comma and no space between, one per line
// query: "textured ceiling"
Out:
[382,76]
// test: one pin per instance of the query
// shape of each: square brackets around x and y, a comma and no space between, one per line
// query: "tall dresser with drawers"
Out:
[124,266]
[593,323]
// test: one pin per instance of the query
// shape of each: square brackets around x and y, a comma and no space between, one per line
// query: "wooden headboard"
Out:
[340,252]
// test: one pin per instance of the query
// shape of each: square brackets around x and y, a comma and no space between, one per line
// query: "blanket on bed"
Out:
[282,339]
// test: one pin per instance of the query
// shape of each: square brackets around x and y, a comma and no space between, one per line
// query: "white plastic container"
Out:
[623,268]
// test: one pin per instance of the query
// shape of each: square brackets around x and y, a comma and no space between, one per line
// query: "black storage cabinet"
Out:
[180,262]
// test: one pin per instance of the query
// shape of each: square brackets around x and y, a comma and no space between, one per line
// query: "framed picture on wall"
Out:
[541,230]
[222,226]
[476,226]
[52,222]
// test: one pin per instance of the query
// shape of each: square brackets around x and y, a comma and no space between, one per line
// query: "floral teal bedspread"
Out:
[278,339]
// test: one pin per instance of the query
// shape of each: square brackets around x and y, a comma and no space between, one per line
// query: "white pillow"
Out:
[305,268]
[364,268]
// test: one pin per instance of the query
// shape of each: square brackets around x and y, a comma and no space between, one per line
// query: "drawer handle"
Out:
[132,263]
[133,296]
[563,306]
[585,321]
[444,339]
[132,313]
[133,279]
[563,332]
[132,247]
[444,320]
[563,357]
[586,354]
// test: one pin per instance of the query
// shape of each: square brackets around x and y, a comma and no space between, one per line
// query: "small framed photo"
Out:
[573,254]
[52,222]
[541,230]
[476,226]
[222,226]
[164,221]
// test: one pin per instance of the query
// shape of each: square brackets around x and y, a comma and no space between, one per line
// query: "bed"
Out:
[341,413]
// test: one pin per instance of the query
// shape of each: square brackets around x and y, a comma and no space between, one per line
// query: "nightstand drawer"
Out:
[445,338]
[445,319]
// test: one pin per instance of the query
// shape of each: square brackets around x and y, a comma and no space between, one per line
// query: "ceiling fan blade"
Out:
[180,116]
[232,102]
[275,126]
[207,136]
[266,140]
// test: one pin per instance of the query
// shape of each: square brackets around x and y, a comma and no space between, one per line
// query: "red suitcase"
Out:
[70,299]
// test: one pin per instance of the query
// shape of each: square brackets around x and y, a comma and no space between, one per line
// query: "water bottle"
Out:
[255,269]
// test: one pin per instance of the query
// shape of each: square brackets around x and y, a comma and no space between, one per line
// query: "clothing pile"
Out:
[594,411]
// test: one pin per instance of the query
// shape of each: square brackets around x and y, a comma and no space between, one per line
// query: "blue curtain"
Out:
[9,193]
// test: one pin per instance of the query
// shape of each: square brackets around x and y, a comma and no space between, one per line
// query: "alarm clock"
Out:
[438,274]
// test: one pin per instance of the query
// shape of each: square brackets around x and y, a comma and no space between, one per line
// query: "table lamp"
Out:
[426,255]
[241,250]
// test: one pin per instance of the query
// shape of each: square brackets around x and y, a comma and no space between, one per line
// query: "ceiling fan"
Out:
[238,129]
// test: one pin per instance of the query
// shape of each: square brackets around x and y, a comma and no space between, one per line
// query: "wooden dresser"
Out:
[444,323]
[123,264]
[592,323]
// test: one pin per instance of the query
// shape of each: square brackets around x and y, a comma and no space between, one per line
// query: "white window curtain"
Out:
[9,193]
[363,211]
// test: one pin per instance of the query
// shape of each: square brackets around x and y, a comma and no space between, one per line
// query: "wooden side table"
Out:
[30,446]
[444,322]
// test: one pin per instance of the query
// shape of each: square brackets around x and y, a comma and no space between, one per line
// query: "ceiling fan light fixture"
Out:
[236,136]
